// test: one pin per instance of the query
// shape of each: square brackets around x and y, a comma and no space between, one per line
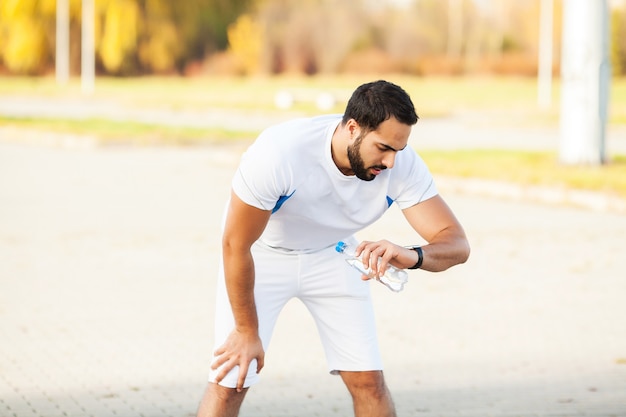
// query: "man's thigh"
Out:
[275,284]
[341,305]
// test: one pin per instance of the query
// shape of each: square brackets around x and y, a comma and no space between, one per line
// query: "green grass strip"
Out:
[128,132]
[529,167]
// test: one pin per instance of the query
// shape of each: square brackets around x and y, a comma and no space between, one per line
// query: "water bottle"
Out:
[394,278]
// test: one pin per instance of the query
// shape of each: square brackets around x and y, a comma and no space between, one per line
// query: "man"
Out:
[301,187]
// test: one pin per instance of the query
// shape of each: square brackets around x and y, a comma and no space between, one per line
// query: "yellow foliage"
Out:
[245,39]
[43,8]
[13,9]
[157,8]
[161,49]
[119,34]
[617,44]
[24,48]
[48,7]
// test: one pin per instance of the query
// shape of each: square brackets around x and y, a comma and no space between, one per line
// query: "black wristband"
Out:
[420,257]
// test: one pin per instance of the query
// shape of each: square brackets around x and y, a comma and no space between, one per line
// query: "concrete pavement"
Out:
[107,264]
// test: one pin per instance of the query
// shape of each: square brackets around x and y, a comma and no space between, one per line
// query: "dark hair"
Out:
[373,103]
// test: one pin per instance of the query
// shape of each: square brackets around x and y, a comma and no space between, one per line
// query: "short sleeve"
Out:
[415,183]
[263,175]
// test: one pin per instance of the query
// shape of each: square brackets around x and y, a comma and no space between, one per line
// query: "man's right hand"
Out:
[240,348]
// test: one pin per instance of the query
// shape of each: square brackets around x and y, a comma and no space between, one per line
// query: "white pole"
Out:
[62,53]
[544,76]
[585,71]
[88,55]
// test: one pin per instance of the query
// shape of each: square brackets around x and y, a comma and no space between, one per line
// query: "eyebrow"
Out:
[391,148]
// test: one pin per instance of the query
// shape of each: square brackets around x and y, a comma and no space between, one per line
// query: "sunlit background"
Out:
[122,121]
[247,37]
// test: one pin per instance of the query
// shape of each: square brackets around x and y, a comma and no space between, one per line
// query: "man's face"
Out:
[357,164]
[373,152]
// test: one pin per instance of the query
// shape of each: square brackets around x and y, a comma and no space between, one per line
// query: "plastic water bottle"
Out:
[394,278]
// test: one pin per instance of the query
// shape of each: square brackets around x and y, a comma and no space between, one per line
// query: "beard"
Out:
[356,161]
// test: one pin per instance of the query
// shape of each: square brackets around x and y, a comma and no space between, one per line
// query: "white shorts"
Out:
[332,291]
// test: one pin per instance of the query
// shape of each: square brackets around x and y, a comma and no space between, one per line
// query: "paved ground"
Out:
[107,265]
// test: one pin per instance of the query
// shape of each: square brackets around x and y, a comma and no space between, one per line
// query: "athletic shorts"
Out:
[333,292]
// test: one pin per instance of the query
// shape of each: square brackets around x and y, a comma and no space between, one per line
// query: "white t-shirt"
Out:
[289,169]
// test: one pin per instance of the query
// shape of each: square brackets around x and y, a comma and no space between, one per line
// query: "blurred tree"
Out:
[420,33]
[454,40]
[245,38]
[304,36]
[309,36]
[175,34]
[160,45]
[24,51]
[342,25]
[297,45]
[118,40]
[24,47]
[132,36]
[218,16]
[618,41]
[288,26]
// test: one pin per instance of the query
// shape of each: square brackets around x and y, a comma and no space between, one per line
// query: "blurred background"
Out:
[456,58]
[200,71]
[252,37]
[122,121]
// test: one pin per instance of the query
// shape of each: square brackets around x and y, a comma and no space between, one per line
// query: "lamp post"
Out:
[585,74]
[88,55]
[62,52]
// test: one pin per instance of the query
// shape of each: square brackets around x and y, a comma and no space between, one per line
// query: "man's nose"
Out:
[389,159]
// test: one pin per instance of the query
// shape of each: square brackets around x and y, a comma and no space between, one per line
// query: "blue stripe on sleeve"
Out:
[281,200]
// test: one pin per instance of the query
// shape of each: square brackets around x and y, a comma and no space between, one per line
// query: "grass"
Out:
[433,96]
[128,132]
[529,167]
[511,102]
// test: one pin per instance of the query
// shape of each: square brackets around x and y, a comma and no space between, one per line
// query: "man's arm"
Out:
[436,223]
[244,225]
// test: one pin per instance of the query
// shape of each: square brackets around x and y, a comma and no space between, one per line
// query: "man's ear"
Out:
[353,128]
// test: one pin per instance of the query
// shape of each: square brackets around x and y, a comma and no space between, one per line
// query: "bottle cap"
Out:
[341,246]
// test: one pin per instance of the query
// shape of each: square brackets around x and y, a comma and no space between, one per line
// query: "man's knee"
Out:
[365,383]
[220,401]
[369,394]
